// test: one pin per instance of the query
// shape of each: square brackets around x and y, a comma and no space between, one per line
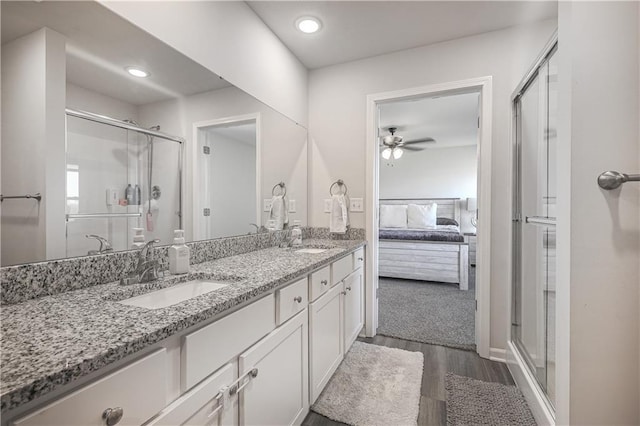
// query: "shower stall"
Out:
[534,225]
[119,177]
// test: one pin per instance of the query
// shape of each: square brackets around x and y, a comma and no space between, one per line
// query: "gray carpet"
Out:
[434,313]
[374,385]
[474,402]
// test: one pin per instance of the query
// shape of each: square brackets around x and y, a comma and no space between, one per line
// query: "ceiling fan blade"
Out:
[425,140]
[412,148]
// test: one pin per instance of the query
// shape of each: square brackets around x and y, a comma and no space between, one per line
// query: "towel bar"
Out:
[35,196]
[340,183]
[612,180]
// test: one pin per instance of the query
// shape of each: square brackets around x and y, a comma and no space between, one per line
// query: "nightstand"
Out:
[470,238]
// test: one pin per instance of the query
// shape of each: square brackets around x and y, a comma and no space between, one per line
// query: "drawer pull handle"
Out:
[220,399]
[324,282]
[112,416]
[349,288]
[243,381]
[298,299]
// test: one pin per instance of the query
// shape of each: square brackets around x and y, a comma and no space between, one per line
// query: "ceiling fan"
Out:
[395,145]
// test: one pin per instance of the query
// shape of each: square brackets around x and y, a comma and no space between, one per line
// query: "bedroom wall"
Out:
[433,173]
[337,125]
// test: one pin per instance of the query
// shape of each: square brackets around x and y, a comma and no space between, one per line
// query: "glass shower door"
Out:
[533,325]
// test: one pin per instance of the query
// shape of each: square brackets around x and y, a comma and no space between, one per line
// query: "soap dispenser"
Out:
[138,238]
[296,236]
[179,254]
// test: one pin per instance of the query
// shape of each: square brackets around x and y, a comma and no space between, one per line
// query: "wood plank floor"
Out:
[438,360]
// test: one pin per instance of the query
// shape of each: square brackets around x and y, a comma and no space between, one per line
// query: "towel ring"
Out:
[283,189]
[340,183]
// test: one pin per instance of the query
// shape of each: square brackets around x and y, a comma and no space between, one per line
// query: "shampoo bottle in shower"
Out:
[128,194]
[137,195]
[179,254]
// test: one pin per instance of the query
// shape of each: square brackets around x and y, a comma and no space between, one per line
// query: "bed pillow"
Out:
[421,216]
[446,221]
[393,216]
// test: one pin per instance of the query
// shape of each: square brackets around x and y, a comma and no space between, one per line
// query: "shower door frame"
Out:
[129,126]
[539,403]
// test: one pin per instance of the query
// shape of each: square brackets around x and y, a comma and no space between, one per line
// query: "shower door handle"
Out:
[541,220]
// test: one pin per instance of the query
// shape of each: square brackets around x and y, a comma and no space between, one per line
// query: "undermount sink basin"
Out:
[311,250]
[174,294]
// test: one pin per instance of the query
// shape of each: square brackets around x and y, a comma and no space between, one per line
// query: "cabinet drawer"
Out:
[206,350]
[139,389]
[341,268]
[358,259]
[319,282]
[291,300]
[197,406]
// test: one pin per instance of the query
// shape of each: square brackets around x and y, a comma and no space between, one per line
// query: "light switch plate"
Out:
[292,206]
[112,197]
[266,205]
[356,205]
[327,205]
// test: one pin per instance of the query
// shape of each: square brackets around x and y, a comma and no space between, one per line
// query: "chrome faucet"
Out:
[105,247]
[259,229]
[147,269]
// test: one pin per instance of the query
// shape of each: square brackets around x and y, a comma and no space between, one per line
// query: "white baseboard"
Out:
[499,355]
[527,384]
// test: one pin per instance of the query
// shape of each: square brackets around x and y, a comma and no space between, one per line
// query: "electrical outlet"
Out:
[356,205]
[327,205]
[292,206]
[266,205]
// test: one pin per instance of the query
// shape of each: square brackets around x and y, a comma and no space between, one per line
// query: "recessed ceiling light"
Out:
[308,24]
[137,72]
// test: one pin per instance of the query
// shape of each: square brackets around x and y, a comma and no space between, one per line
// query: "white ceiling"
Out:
[360,29]
[100,44]
[450,120]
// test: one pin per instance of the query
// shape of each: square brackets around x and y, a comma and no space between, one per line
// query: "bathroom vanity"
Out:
[257,351]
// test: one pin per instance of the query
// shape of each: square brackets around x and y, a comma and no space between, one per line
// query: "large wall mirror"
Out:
[95,158]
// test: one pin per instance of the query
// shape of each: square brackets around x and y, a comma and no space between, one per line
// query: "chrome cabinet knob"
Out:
[298,299]
[360,259]
[112,416]
[349,288]
[324,282]
[344,293]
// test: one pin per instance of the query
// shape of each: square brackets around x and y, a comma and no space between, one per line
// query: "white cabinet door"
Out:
[278,394]
[205,404]
[353,308]
[325,337]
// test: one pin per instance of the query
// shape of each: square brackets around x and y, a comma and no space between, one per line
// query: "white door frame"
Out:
[483,85]
[236,119]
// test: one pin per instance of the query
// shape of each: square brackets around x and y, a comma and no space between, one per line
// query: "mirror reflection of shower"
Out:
[123,183]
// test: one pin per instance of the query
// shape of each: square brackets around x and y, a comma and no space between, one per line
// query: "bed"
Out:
[435,254]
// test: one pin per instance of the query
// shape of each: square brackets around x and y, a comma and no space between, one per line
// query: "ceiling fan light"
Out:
[386,153]
[397,153]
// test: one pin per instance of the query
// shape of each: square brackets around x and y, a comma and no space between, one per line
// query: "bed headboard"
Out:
[447,207]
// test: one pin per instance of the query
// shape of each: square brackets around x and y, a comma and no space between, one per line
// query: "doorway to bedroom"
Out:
[427,209]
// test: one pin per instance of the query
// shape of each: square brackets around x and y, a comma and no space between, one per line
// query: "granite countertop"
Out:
[51,341]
